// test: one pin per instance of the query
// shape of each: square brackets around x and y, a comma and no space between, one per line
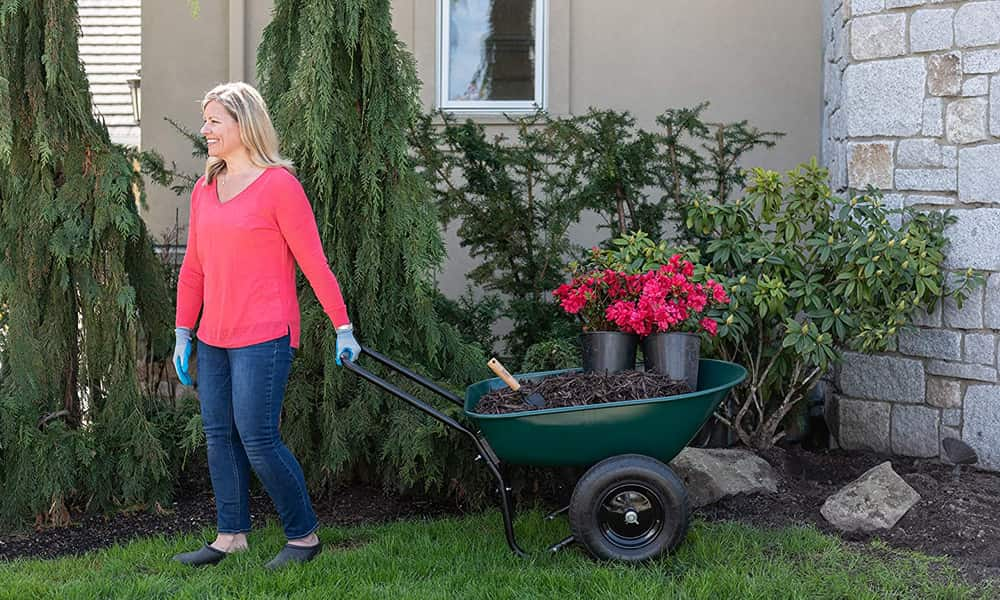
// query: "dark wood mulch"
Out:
[579,389]
[956,517]
[195,510]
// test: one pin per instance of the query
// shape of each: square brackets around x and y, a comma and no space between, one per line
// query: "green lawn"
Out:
[468,558]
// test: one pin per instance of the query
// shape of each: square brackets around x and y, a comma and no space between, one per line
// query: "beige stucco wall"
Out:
[753,59]
[183,56]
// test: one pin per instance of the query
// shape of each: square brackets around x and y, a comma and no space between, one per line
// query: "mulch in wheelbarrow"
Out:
[579,389]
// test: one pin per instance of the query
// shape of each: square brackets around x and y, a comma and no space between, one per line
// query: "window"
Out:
[491,55]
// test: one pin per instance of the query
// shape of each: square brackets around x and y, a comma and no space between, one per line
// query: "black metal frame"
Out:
[485,451]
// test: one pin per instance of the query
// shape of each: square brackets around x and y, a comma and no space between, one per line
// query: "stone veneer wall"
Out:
[912,106]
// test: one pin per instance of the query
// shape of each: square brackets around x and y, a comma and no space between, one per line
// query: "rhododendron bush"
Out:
[810,274]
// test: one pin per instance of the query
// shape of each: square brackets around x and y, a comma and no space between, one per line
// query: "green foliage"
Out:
[810,274]
[635,253]
[472,317]
[516,197]
[80,283]
[703,158]
[343,93]
[610,164]
[153,165]
[509,196]
[562,353]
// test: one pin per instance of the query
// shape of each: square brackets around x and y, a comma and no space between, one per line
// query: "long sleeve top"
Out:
[239,267]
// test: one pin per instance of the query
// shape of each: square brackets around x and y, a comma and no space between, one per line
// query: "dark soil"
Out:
[959,517]
[579,389]
[349,506]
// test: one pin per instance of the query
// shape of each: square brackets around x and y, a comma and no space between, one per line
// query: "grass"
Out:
[468,558]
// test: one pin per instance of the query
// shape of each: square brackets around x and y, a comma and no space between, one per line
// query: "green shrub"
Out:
[814,274]
[472,317]
[78,280]
[513,217]
[610,165]
[561,353]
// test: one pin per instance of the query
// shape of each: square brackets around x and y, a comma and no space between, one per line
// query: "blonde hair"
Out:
[245,104]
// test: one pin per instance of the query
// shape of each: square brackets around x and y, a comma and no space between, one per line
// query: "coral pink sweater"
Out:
[240,263]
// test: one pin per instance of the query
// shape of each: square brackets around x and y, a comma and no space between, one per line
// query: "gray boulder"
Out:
[876,500]
[711,474]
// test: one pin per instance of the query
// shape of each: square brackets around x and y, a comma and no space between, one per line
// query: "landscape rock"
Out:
[712,474]
[876,500]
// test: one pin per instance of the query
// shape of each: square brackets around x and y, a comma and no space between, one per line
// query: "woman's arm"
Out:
[297,223]
[191,280]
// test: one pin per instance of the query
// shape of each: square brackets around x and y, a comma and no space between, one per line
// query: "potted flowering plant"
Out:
[670,311]
[606,347]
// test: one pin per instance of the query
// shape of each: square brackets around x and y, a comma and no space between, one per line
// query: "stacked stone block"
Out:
[912,107]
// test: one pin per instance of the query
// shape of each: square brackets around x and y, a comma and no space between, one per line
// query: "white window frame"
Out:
[442,64]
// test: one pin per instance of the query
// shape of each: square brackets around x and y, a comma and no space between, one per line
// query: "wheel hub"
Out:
[630,515]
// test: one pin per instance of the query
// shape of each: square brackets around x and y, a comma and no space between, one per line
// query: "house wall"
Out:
[759,61]
[912,107]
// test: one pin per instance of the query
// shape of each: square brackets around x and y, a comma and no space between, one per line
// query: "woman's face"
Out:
[221,131]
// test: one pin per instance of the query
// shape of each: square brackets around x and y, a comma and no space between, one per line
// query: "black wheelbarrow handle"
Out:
[487,454]
[395,366]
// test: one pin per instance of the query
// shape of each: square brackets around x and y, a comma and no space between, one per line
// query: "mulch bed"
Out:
[353,505]
[579,389]
[959,518]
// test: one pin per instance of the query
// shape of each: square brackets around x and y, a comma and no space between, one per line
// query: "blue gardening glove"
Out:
[182,351]
[347,343]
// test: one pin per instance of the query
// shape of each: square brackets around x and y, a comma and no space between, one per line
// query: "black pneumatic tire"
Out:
[629,508]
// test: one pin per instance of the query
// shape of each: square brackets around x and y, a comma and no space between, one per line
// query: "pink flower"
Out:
[719,294]
[710,326]
[574,303]
[669,298]
[562,291]
[619,312]
[633,283]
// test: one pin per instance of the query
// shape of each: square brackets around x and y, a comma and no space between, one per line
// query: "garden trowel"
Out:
[533,399]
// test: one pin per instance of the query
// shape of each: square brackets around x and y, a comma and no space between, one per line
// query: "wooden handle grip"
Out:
[502,373]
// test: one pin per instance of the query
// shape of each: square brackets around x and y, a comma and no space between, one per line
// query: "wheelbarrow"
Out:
[629,505]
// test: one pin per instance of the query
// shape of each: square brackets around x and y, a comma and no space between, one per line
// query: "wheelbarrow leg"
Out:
[506,505]
[556,513]
[556,547]
[508,521]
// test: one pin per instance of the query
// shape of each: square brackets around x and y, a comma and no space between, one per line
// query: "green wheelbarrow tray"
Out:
[584,435]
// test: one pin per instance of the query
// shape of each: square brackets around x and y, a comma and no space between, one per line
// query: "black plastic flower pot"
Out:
[673,354]
[608,351]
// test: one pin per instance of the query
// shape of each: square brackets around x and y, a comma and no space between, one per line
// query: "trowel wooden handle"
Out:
[502,373]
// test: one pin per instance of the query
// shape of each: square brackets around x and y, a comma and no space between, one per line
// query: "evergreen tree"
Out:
[343,93]
[78,278]
[515,200]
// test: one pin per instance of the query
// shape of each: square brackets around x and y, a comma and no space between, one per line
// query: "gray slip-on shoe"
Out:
[291,553]
[206,555]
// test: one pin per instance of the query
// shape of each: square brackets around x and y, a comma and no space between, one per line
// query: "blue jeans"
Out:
[241,391]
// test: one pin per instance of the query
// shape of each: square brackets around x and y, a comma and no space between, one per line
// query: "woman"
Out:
[250,223]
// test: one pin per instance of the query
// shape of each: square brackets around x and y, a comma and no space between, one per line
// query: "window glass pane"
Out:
[491,46]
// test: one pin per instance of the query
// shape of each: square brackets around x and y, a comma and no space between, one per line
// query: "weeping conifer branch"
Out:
[78,277]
